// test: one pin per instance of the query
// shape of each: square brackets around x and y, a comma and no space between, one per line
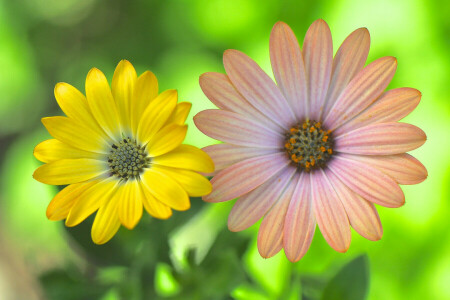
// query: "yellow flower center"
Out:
[308,145]
[127,159]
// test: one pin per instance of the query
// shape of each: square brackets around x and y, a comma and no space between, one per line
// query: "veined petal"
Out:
[166,190]
[249,208]
[186,157]
[167,139]
[245,176]
[300,224]
[122,87]
[270,234]
[362,91]
[156,115]
[257,87]
[381,139]
[145,91]
[90,200]
[362,214]
[330,213]
[193,183]
[219,89]
[288,68]
[349,61]
[225,155]
[403,168]
[74,134]
[101,102]
[154,207]
[129,197]
[318,56]
[236,129]
[106,222]
[74,104]
[62,203]
[392,106]
[67,171]
[367,181]
[52,150]
[180,114]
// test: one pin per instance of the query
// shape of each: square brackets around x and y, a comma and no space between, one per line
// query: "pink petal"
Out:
[257,87]
[362,90]
[392,106]
[235,129]
[270,234]
[349,60]
[300,223]
[219,89]
[288,68]
[225,155]
[329,212]
[381,139]
[245,176]
[403,168]
[362,214]
[252,206]
[318,55]
[367,181]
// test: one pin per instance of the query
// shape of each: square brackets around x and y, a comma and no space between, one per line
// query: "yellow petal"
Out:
[74,134]
[180,114]
[130,203]
[102,103]
[89,201]
[62,203]
[106,222]
[51,150]
[156,114]
[186,157]
[74,104]
[166,190]
[67,171]
[122,86]
[154,207]
[145,91]
[167,139]
[193,183]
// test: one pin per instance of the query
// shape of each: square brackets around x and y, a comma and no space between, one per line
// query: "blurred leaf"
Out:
[350,283]
[60,284]
[165,283]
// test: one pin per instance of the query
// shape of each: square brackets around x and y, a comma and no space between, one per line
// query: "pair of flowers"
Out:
[321,146]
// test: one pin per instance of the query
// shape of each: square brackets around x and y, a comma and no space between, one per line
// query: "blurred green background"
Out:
[192,255]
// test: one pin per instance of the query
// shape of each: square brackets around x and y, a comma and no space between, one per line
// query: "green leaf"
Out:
[350,283]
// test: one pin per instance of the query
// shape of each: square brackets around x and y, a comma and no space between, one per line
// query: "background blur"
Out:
[193,255]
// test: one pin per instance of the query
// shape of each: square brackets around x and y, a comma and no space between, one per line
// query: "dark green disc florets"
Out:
[308,145]
[127,159]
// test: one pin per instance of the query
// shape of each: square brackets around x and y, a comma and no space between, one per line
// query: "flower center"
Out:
[127,159]
[308,145]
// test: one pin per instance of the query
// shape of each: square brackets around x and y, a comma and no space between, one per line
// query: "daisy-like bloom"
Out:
[321,146]
[119,150]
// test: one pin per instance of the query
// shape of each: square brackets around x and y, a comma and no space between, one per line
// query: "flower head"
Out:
[321,146]
[119,150]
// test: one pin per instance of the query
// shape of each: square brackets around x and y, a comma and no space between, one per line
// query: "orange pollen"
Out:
[330,151]
[308,145]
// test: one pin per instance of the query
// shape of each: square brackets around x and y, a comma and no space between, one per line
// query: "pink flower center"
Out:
[309,146]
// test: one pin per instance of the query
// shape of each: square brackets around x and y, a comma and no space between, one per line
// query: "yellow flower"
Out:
[118,150]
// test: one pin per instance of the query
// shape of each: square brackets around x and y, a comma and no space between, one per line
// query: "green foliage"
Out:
[350,283]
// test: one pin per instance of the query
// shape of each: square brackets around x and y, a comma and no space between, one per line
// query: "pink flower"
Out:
[321,146]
